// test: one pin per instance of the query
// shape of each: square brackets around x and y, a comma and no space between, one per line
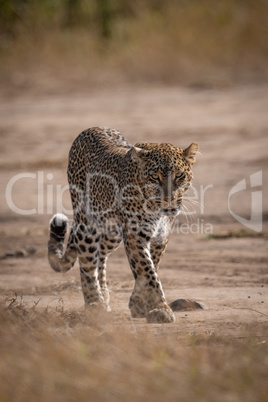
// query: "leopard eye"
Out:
[180,177]
[155,177]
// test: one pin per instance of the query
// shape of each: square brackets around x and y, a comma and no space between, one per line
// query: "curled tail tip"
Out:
[59,220]
[58,224]
[60,261]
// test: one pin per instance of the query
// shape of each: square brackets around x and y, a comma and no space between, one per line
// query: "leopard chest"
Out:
[162,228]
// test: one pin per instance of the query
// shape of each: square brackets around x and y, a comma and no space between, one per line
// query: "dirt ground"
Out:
[229,275]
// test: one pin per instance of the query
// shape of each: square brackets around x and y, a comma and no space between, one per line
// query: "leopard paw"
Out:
[160,315]
[137,307]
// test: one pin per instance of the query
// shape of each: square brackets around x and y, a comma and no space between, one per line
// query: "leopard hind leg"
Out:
[87,242]
[108,244]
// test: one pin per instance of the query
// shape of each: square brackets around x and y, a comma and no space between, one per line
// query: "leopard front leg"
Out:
[148,299]
[157,250]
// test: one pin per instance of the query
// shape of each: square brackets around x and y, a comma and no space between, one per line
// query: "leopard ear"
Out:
[140,153]
[190,152]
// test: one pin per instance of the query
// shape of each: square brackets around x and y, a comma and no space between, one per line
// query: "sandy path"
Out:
[229,275]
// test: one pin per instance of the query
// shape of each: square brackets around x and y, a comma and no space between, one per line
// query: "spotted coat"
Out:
[121,192]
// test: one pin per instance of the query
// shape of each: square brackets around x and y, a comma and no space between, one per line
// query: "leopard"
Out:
[121,193]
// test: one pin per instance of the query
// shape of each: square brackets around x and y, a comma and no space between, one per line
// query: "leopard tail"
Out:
[60,261]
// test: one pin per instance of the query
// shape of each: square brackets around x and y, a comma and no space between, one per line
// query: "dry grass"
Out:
[237,234]
[68,356]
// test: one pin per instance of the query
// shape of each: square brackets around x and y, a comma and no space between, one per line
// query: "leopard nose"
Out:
[169,199]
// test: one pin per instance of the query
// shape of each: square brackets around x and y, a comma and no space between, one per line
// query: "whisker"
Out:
[194,203]
[187,207]
[190,215]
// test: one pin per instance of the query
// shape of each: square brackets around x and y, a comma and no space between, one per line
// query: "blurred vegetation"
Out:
[236,234]
[176,41]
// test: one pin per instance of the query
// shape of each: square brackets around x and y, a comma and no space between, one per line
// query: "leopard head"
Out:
[165,174]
